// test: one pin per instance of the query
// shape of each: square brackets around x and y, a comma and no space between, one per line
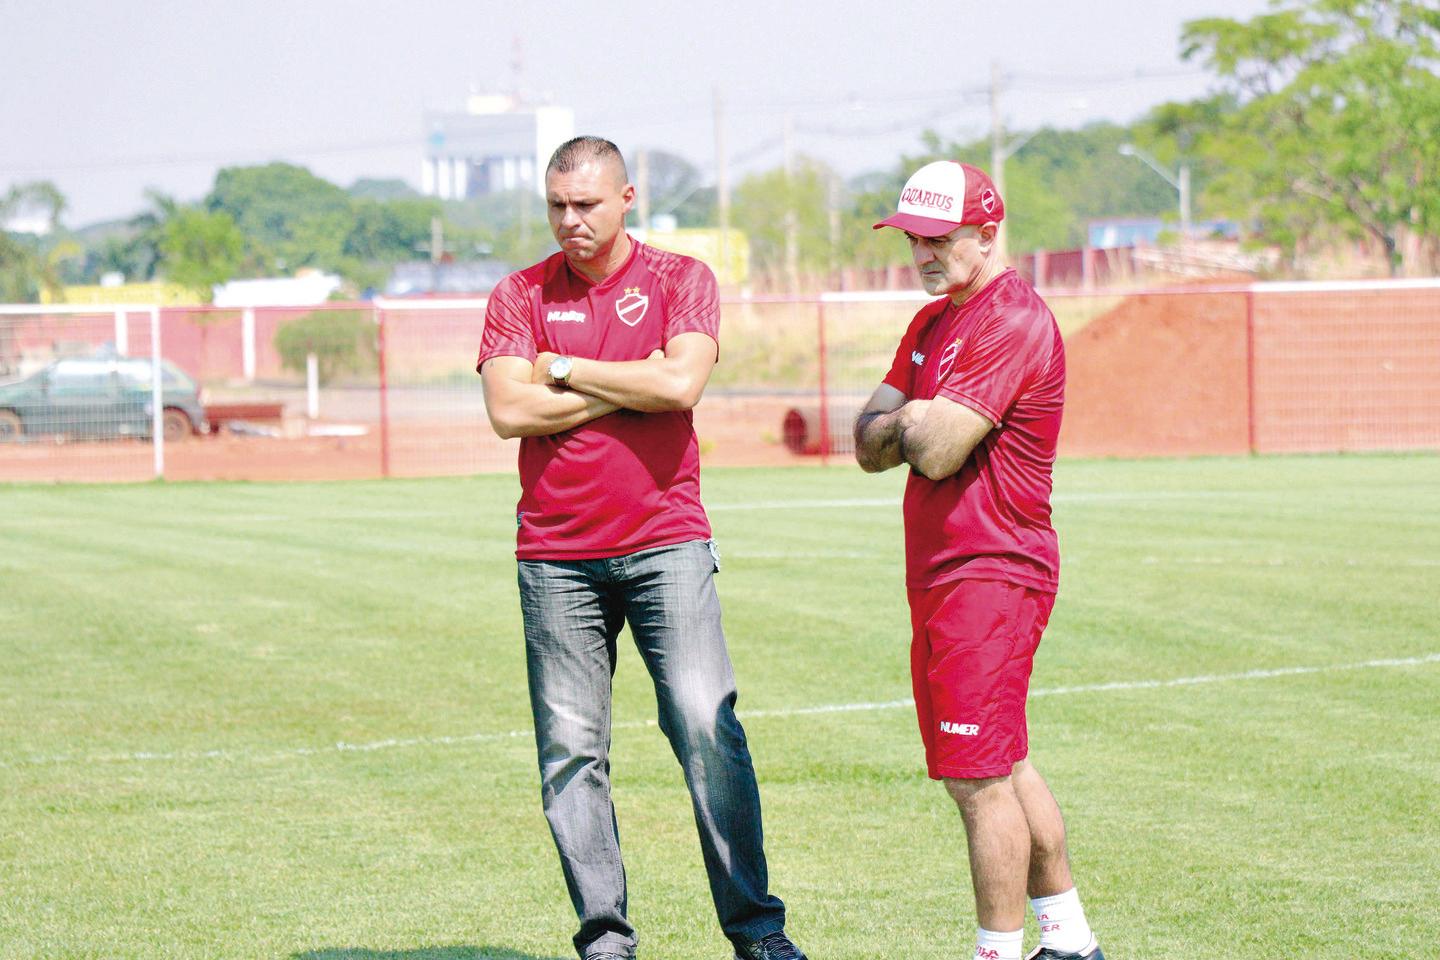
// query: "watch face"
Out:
[559,368]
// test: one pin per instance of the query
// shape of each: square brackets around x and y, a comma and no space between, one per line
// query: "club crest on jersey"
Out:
[631,307]
[947,359]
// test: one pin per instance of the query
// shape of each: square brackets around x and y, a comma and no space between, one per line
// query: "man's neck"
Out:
[992,269]
[602,267]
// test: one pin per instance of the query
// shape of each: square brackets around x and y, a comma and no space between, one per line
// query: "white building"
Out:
[307,288]
[496,144]
[35,219]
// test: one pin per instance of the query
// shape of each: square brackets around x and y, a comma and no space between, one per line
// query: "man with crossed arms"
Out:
[972,406]
[594,357]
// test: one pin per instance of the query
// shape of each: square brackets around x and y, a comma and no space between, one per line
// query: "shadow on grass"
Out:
[458,952]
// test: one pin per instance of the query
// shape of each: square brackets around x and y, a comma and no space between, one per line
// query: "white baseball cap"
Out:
[941,196]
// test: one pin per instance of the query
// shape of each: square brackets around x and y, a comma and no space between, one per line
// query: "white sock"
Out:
[992,945]
[1062,922]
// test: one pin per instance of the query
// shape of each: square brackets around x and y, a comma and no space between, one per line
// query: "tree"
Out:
[761,205]
[389,231]
[372,188]
[676,188]
[30,263]
[1337,129]
[200,250]
[510,226]
[286,211]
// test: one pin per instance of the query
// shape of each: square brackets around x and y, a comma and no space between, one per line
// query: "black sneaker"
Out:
[1091,952]
[772,946]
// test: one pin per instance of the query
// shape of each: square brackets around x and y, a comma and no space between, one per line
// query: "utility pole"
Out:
[997,154]
[1180,180]
[522,197]
[832,207]
[1184,187]
[437,250]
[722,187]
[792,223]
[642,188]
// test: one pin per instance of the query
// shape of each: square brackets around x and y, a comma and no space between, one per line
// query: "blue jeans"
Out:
[573,612]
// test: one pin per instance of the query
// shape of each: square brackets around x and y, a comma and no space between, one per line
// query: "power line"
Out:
[898,126]
[953,101]
[1044,80]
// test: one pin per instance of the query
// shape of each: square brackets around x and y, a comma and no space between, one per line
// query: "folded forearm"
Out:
[653,385]
[536,410]
[877,441]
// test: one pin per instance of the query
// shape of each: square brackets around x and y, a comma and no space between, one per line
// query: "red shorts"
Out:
[970,657]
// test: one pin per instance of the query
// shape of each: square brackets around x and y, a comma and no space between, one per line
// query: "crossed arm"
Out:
[522,401]
[935,437]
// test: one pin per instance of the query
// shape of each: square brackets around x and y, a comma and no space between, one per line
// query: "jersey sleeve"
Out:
[903,367]
[997,361]
[507,323]
[692,302]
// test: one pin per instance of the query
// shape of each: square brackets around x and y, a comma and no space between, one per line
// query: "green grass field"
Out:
[289,721]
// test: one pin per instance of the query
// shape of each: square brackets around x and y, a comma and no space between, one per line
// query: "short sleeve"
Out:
[997,361]
[692,302]
[903,367]
[507,323]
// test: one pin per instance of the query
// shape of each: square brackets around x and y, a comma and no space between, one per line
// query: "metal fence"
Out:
[388,387]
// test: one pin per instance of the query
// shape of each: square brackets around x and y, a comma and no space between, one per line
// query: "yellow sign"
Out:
[156,292]
[709,246]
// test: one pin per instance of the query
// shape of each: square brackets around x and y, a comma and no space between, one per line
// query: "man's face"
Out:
[587,208]
[951,263]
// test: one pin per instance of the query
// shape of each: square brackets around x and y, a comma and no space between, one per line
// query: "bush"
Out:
[343,341]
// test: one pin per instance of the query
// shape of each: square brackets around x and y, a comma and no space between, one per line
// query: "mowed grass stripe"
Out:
[219,625]
[396,743]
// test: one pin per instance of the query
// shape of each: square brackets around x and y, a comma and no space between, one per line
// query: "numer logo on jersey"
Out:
[960,729]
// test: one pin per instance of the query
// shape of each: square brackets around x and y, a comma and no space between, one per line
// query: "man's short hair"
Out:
[579,150]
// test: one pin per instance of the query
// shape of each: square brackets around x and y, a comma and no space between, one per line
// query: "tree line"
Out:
[1323,130]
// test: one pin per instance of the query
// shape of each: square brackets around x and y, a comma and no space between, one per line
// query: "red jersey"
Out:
[623,482]
[1000,354]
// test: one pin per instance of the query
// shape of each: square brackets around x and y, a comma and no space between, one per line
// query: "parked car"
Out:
[99,397]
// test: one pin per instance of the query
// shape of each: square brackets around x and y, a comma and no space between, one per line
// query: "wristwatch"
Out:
[560,371]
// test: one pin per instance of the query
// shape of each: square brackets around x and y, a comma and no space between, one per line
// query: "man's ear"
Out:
[988,232]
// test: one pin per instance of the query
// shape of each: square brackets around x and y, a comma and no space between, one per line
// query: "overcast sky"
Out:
[107,98]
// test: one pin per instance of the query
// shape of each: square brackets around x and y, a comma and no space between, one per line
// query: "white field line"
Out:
[804,504]
[401,743]
[1279,562]
[1090,497]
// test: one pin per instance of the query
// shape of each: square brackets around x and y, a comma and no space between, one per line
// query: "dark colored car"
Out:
[99,397]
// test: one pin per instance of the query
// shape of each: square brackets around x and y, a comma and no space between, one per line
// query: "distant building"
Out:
[30,218]
[422,278]
[307,288]
[495,144]
[1146,231]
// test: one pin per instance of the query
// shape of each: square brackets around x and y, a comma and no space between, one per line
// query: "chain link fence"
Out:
[388,387]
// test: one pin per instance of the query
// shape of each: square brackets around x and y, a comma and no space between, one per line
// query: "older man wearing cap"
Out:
[972,405]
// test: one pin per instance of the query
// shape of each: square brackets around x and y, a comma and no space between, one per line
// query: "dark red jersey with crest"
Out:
[626,481]
[1000,354]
